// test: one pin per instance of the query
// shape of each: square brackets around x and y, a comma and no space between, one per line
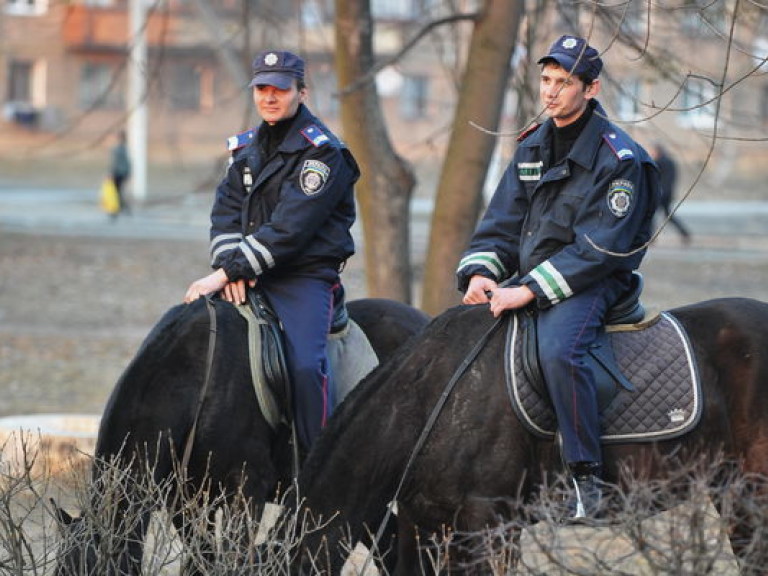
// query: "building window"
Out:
[568,16]
[25,92]
[634,19]
[99,87]
[324,93]
[396,9]
[20,81]
[703,17]
[26,7]
[628,99]
[314,14]
[191,87]
[26,82]
[413,100]
[697,104]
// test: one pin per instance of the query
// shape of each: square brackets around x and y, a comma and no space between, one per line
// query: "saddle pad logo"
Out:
[314,175]
[620,197]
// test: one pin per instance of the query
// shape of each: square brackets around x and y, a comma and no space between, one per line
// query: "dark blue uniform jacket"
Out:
[288,213]
[562,227]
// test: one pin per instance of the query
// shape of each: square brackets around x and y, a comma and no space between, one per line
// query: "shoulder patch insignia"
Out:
[240,140]
[528,131]
[315,135]
[616,143]
[314,175]
[620,197]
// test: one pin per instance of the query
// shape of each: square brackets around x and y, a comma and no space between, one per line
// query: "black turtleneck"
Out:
[565,137]
[271,135]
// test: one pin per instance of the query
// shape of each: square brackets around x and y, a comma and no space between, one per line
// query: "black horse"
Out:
[478,457]
[149,418]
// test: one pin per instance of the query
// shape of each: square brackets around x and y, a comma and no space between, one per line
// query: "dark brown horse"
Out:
[478,457]
[151,411]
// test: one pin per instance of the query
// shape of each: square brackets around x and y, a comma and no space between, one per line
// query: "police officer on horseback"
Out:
[570,218]
[281,221]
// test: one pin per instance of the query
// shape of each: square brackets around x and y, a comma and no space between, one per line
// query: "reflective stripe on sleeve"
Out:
[488,260]
[222,243]
[258,256]
[551,282]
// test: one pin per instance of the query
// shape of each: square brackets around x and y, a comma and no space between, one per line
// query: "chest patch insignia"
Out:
[314,175]
[620,197]
[529,171]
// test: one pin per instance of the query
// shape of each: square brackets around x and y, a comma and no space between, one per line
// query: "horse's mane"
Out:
[176,320]
[419,349]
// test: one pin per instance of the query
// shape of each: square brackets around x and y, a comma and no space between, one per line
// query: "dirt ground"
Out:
[73,310]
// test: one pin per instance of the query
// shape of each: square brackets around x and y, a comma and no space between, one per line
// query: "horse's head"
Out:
[88,549]
[76,550]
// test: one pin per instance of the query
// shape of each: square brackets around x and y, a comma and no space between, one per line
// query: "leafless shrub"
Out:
[702,518]
[124,517]
[25,528]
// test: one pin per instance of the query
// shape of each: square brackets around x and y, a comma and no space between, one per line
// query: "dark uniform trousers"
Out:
[305,307]
[565,333]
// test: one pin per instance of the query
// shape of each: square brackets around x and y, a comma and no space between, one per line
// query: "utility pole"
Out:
[137,98]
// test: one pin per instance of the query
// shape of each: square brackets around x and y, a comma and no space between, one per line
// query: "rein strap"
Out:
[466,363]
[212,330]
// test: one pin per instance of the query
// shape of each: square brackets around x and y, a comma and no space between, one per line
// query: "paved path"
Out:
[77,211]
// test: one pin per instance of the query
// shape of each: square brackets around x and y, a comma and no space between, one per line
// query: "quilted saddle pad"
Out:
[655,357]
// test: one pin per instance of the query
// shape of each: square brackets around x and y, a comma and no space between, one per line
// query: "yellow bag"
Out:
[110,201]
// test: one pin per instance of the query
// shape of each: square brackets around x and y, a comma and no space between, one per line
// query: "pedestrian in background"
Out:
[668,172]
[120,169]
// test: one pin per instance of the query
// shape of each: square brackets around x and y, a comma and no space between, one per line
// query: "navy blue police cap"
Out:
[277,68]
[576,56]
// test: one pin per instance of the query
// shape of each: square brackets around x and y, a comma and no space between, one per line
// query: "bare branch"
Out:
[426,29]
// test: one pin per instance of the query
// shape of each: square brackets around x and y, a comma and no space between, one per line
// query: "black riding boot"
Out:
[585,491]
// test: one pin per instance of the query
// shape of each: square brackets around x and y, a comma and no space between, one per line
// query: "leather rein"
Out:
[212,330]
[458,373]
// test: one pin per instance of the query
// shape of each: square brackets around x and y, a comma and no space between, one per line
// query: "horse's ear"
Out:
[61,515]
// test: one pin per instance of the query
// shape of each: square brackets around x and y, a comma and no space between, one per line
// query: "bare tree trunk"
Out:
[459,192]
[385,187]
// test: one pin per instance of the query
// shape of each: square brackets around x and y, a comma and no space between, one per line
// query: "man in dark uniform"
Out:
[570,218]
[281,220]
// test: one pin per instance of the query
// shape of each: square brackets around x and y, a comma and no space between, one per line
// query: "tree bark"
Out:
[459,194]
[386,185]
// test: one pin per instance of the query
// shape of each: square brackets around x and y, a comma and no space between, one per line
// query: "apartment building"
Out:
[64,70]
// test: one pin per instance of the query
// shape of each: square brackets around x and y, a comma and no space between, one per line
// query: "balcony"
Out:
[95,28]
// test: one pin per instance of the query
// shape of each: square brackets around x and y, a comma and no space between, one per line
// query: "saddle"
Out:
[627,311]
[269,371]
[350,355]
[647,384]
